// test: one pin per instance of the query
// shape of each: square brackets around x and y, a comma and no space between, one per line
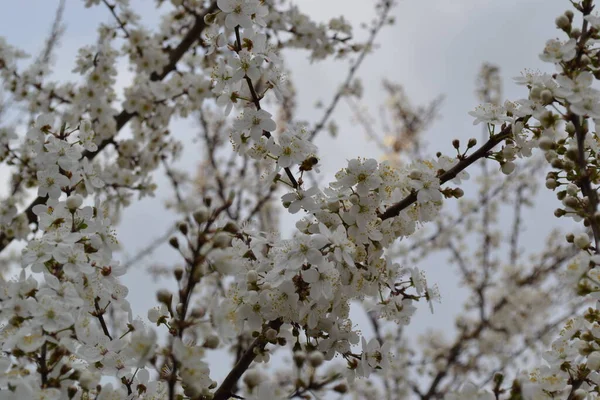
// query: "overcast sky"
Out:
[436,47]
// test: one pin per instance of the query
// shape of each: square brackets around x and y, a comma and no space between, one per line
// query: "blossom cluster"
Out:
[564,105]
[68,330]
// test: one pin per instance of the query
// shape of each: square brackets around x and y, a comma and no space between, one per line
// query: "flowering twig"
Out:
[124,117]
[482,152]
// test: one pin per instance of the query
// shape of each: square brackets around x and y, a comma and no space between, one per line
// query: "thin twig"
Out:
[100,315]
[368,46]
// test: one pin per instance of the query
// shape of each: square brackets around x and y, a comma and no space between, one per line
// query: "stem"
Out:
[43,366]
[586,185]
[99,314]
[224,391]
[256,101]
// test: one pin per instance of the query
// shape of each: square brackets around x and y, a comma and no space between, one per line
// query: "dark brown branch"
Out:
[100,315]
[585,182]
[111,8]
[43,365]
[224,391]
[482,152]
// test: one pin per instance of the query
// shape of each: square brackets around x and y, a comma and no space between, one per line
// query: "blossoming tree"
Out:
[68,331]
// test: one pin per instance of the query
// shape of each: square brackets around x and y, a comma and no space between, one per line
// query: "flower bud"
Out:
[201,216]
[569,14]
[551,184]
[572,189]
[550,156]
[498,379]
[316,358]
[251,276]
[568,165]
[211,342]
[183,228]
[72,391]
[571,153]
[179,308]
[585,60]
[508,167]
[164,296]
[416,175]
[569,237]
[571,201]
[271,334]
[74,202]
[252,378]
[546,96]
[563,22]
[174,242]
[198,312]
[178,272]
[231,227]
[299,358]
[222,240]
[340,388]
[557,163]
[582,241]
[546,143]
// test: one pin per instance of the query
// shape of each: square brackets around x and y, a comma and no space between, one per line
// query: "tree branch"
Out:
[224,391]
[482,152]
